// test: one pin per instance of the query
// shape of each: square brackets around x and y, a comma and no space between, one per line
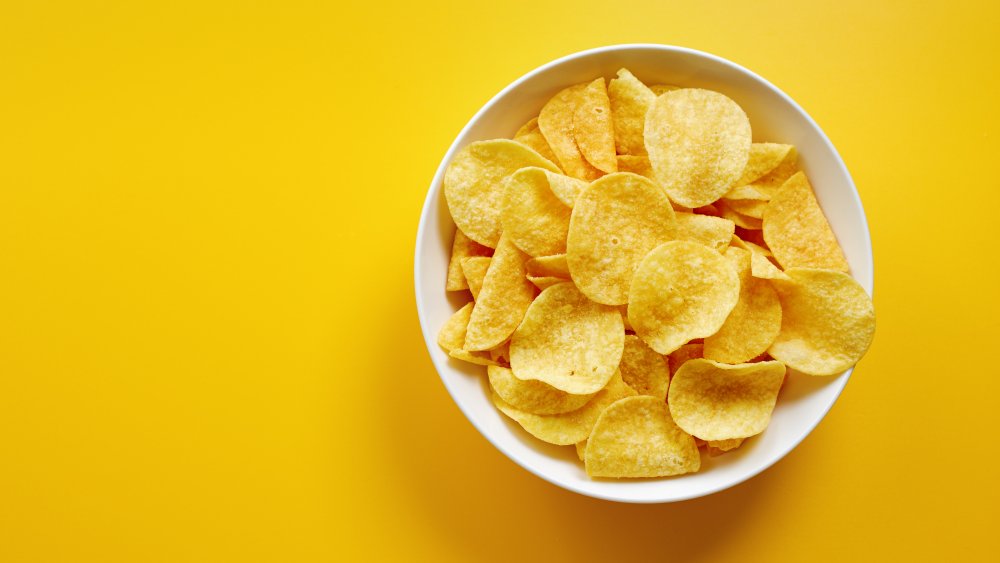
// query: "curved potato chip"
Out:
[716,401]
[556,124]
[660,89]
[635,437]
[681,291]
[797,231]
[463,247]
[530,136]
[545,282]
[615,222]
[451,337]
[532,396]
[532,216]
[755,321]
[472,185]
[554,266]
[592,127]
[827,324]
[763,158]
[698,143]
[748,207]
[568,341]
[474,268]
[503,300]
[630,100]
[713,232]
[643,369]
[770,183]
[761,267]
[686,352]
[568,427]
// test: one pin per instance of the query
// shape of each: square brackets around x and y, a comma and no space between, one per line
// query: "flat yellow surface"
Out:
[209,349]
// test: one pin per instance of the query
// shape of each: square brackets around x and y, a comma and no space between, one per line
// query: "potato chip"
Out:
[532,396]
[568,341]
[770,183]
[761,267]
[643,369]
[660,89]
[581,447]
[635,437]
[755,321]
[828,321]
[545,282]
[478,358]
[713,232]
[698,143]
[740,219]
[474,268]
[503,300]
[746,193]
[569,427]
[463,247]
[749,207]
[452,337]
[763,158]
[592,127]
[796,230]
[554,266]
[715,401]
[615,222]
[556,124]
[530,136]
[630,100]
[565,188]
[532,216]
[681,291]
[719,447]
[472,185]
[686,352]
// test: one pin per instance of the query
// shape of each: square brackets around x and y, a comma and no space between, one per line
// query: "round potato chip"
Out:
[796,230]
[643,369]
[635,437]
[569,427]
[592,128]
[763,158]
[713,232]
[755,321]
[503,299]
[615,222]
[472,185]
[827,324]
[556,124]
[532,216]
[630,100]
[682,290]
[568,341]
[698,143]
[716,401]
[532,396]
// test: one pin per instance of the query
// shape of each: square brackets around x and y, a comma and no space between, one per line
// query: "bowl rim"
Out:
[429,201]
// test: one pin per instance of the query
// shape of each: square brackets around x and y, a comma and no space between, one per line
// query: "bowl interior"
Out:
[773,117]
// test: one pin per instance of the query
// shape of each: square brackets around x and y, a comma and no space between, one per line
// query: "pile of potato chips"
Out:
[642,273]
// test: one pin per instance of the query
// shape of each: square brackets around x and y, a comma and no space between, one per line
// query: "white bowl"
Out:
[774,117]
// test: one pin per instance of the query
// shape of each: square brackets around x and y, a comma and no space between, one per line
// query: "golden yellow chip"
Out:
[761,267]
[755,321]
[770,183]
[713,232]
[478,358]
[569,427]
[503,300]
[715,401]
[592,127]
[615,222]
[452,337]
[698,143]
[534,219]
[554,266]
[684,353]
[545,282]
[796,230]
[635,437]
[581,447]
[532,396]
[749,207]
[556,124]
[827,324]
[463,247]
[764,157]
[719,447]
[472,185]
[530,136]
[660,89]
[682,290]
[474,269]
[636,164]
[568,341]
[746,193]
[643,369]
[741,220]
[630,100]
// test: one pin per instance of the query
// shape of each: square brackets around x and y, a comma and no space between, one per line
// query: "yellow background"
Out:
[209,349]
